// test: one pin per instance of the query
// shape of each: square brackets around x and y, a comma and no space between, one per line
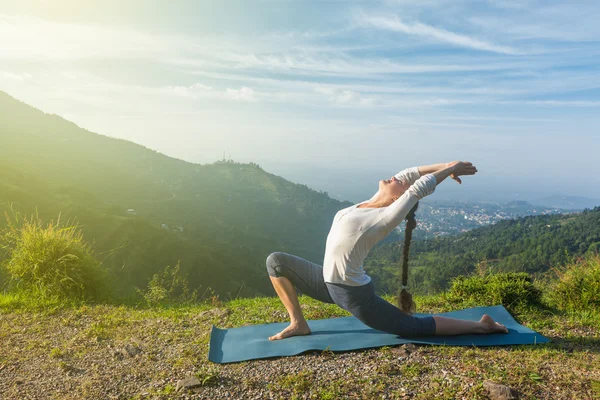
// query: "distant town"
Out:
[436,219]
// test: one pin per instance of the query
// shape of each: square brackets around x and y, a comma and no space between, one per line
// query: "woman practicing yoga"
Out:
[342,279]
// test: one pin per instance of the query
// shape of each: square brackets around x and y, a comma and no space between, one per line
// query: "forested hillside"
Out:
[145,210]
[531,244]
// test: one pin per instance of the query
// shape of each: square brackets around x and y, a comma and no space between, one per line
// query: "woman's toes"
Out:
[502,328]
[491,325]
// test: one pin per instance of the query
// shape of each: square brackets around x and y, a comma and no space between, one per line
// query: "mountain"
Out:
[144,210]
[532,244]
[572,202]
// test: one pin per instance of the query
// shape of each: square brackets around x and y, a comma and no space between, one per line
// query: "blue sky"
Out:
[344,89]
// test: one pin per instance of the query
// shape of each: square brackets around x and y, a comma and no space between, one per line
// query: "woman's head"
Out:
[391,189]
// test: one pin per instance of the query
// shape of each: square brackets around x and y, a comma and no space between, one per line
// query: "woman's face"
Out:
[392,188]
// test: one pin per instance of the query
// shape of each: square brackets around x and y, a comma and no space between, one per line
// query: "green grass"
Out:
[513,290]
[208,375]
[577,287]
[66,336]
[71,334]
[27,302]
[50,260]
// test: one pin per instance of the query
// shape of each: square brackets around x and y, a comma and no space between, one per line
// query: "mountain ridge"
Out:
[239,211]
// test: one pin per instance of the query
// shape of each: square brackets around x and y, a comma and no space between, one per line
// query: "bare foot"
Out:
[490,326]
[298,329]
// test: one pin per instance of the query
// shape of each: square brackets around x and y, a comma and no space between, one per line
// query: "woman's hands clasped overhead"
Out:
[460,168]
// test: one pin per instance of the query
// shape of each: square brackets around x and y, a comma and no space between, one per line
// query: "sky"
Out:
[334,94]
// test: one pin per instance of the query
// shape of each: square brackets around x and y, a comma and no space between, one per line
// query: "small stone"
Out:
[131,350]
[222,312]
[400,352]
[410,347]
[188,383]
[500,392]
[405,350]
[215,312]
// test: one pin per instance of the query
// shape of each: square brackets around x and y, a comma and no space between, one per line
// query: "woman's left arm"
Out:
[410,175]
[430,169]
[395,213]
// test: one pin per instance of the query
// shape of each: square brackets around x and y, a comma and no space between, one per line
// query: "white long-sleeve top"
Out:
[355,231]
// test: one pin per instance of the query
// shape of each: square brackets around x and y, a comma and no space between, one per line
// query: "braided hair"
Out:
[405,301]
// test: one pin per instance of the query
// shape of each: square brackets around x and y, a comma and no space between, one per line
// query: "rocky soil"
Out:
[121,353]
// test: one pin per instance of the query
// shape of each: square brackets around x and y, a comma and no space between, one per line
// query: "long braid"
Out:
[405,301]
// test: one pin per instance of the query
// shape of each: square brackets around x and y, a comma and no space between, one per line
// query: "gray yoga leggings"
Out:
[360,301]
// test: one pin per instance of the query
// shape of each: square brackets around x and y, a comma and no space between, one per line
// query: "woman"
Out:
[342,279]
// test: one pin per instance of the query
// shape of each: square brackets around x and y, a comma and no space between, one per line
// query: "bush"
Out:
[50,261]
[577,287]
[511,289]
[168,287]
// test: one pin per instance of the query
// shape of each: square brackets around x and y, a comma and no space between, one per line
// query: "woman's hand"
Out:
[460,168]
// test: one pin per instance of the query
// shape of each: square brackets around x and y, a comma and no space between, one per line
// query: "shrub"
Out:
[51,260]
[511,289]
[168,287]
[577,286]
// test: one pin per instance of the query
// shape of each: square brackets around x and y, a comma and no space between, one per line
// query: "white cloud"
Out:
[362,75]
[419,29]
[243,94]
[541,26]
[344,97]
[385,86]
[349,98]
[323,65]
[562,103]
[193,91]
[15,77]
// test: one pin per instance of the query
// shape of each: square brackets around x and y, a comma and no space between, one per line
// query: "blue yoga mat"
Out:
[348,333]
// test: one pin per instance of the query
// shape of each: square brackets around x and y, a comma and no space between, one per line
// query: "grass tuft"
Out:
[169,287]
[50,261]
[577,287]
[511,289]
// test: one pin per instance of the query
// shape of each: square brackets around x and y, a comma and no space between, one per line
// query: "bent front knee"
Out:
[274,264]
